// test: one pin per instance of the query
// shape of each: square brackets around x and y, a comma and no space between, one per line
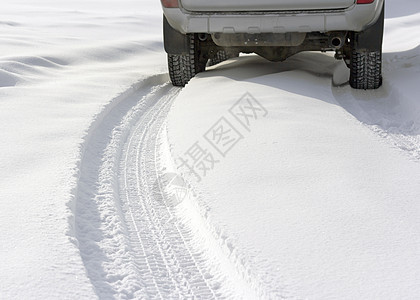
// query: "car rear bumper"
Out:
[262,5]
[354,18]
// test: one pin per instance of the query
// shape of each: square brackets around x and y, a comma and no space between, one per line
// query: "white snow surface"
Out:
[62,63]
[318,200]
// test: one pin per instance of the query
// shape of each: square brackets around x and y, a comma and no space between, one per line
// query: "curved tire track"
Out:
[132,245]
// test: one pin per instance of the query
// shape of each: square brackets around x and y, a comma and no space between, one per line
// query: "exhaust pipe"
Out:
[336,42]
[202,37]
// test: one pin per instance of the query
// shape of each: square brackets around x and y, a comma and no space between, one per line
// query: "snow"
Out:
[61,64]
[317,200]
[310,193]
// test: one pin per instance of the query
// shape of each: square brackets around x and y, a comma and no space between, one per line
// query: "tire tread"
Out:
[365,69]
[183,67]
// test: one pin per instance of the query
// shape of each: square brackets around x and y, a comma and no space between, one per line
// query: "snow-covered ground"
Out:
[303,189]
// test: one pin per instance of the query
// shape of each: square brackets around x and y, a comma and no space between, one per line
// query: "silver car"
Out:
[198,33]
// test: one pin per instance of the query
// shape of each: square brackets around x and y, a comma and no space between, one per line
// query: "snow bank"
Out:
[317,195]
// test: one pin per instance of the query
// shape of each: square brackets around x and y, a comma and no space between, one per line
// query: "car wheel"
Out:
[366,57]
[183,67]
[365,69]
[221,56]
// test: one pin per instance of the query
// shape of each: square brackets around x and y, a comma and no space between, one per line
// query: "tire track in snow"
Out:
[169,255]
[133,246]
[101,233]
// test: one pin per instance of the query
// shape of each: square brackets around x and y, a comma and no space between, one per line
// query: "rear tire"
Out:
[365,69]
[221,56]
[183,67]
[176,67]
[366,56]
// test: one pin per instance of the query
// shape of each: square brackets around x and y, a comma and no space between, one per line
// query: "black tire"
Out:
[176,70]
[365,69]
[366,56]
[221,56]
[183,67]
